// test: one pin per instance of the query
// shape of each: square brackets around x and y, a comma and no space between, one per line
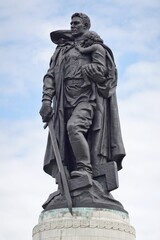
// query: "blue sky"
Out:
[131,29]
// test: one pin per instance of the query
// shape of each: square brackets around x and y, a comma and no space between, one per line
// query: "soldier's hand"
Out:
[46,111]
[94,74]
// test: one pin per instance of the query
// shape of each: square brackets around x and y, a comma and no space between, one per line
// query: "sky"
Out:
[131,29]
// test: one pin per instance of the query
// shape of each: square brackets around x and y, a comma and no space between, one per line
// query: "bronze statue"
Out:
[79,104]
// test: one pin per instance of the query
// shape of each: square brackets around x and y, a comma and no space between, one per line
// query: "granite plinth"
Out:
[84,224]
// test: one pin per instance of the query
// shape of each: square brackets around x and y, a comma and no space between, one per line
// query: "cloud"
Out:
[141,76]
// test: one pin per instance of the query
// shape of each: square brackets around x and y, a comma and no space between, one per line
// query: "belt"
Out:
[74,80]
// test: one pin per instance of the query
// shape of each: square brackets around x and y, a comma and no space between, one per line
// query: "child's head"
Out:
[91,37]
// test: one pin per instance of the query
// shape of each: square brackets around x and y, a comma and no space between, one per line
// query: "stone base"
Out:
[84,224]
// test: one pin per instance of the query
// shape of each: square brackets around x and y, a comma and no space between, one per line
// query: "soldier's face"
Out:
[77,27]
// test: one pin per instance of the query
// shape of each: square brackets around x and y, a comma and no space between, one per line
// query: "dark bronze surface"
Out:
[80,86]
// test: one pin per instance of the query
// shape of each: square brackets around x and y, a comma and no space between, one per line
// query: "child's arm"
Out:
[91,48]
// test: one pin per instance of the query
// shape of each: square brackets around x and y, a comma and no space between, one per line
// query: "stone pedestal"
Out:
[84,224]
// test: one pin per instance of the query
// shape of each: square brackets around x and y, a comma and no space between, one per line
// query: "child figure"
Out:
[93,45]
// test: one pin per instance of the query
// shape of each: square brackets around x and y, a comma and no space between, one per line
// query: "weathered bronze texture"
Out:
[80,86]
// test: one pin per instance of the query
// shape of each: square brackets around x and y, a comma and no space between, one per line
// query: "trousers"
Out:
[79,121]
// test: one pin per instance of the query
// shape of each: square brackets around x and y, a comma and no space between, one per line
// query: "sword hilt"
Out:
[46,124]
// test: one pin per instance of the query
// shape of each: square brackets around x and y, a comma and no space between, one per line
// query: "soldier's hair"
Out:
[84,17]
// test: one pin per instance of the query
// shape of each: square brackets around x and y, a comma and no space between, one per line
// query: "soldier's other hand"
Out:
[94,73]
[46,111]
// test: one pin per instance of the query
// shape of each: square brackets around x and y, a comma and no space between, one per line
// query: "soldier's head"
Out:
[80,23]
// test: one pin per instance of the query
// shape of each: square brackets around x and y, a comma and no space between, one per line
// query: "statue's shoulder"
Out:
[61,36]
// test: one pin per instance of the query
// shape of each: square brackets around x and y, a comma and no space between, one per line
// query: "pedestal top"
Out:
[85,213]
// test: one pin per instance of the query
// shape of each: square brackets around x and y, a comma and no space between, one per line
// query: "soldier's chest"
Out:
[74,57]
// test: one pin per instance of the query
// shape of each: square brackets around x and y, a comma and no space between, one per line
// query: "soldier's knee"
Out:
[72,127]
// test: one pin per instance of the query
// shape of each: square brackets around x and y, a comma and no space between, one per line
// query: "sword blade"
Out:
[60,166]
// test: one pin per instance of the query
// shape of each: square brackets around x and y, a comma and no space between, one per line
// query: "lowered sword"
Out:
[59,164]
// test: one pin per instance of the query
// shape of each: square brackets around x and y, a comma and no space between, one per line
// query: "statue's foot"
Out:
[80,173]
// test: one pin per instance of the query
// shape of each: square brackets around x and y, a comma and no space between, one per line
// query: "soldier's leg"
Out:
[77,126]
